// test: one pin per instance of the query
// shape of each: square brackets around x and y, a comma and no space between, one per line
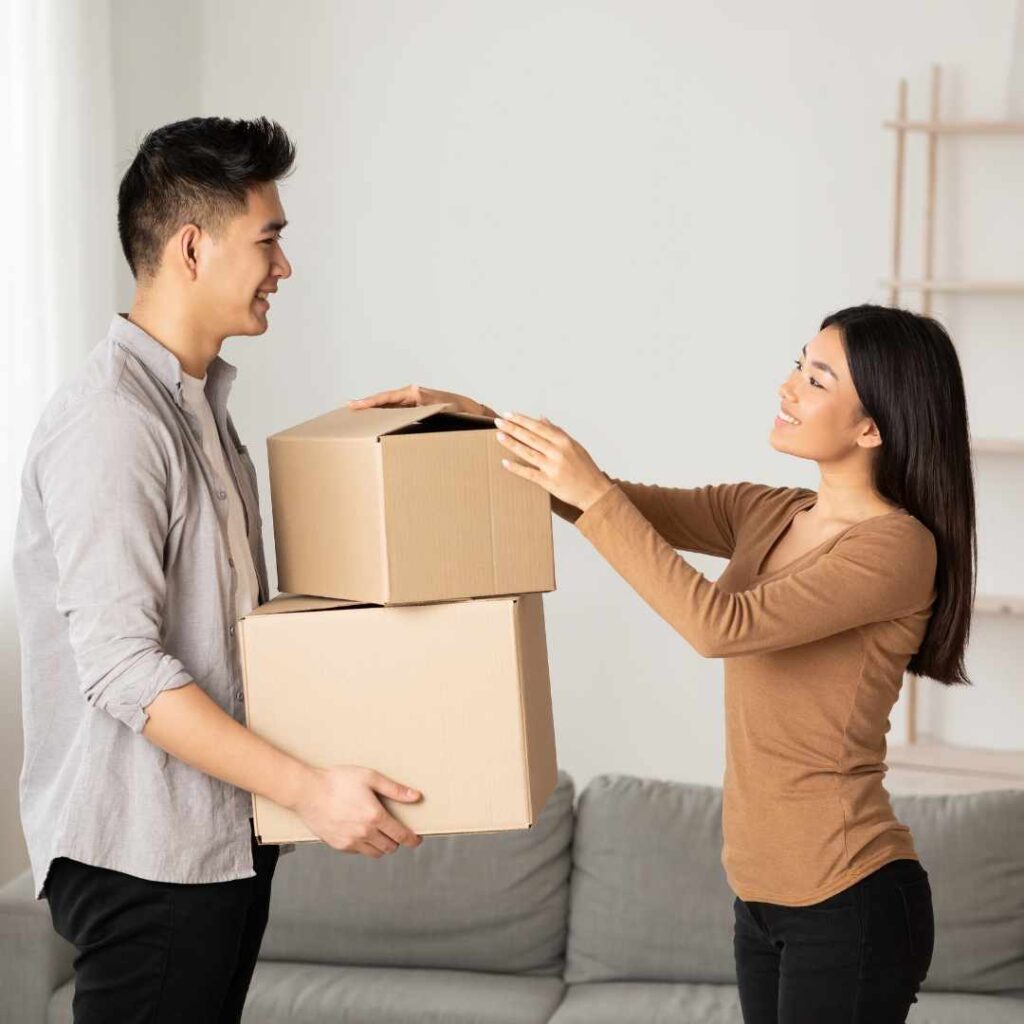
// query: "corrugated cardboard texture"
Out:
[538,718]
[328,513]
[448,698]
[405,506]
[457,523]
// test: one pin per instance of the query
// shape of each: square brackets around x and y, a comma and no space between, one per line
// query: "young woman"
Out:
[829,596]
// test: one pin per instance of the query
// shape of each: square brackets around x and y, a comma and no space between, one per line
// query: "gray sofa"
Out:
[614,911]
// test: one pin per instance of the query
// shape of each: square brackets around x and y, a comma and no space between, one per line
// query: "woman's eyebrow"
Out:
[820,366]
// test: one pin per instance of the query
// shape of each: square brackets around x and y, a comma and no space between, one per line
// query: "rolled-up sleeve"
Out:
[110,495]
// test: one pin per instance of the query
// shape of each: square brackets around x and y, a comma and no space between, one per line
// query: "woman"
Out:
[827,598]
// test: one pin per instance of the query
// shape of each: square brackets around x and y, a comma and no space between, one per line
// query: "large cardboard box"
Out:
[403,506]
[452,699]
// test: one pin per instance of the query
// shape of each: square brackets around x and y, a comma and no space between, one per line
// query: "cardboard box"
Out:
[402,506]
[452,699]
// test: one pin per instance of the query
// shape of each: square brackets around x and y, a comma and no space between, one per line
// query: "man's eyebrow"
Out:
[820,366]
[273,225]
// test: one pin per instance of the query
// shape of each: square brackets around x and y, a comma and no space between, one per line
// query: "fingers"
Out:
[366,849]
[395,790]
[543,427]
[396,397]
[527,454]
[397,832]
[526,472]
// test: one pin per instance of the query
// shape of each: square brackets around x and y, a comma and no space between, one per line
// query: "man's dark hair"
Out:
[199,172]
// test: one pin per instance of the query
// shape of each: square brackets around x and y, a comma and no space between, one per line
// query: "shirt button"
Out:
[231,562]
[231,630]
[222,495]
[238,694]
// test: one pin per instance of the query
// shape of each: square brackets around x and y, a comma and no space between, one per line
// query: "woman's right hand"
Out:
[340,804]
[413,394]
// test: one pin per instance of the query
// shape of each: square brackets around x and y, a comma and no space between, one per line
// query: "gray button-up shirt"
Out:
[125,588]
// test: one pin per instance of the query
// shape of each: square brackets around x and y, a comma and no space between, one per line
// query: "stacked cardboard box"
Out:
[411,636]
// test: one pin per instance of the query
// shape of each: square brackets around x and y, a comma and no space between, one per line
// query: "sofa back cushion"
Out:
[649,899]
[494,902]
[972,846]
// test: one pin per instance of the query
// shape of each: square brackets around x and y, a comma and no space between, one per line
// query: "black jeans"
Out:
[156,952]
[858,957]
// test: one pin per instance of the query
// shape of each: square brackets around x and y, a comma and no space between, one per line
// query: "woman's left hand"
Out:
[551,458]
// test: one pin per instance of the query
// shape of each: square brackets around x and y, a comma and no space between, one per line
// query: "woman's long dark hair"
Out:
[907,375]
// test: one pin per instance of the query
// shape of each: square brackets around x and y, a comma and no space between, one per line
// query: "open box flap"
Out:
[347,424]
[300,603]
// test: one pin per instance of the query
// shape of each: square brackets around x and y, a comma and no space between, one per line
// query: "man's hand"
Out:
[340,805]
[413,394]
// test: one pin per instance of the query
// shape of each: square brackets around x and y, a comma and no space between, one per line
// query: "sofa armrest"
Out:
[34,959]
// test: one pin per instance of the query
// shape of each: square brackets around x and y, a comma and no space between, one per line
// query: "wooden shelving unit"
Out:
[931,766]
[930,761]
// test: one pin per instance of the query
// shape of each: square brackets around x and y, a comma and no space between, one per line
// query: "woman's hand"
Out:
[413,394]
[562,466]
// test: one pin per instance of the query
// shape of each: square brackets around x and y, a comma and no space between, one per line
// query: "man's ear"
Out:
[188,245]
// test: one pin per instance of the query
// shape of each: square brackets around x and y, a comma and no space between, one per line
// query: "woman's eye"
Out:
[814,383]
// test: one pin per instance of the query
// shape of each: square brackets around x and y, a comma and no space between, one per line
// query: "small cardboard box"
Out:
[451,699]
[405,506]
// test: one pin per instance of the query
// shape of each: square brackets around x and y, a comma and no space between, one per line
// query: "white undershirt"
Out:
[247,593]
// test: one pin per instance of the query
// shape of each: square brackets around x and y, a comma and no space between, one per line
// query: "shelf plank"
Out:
[998,445]
[934,755]
[999,604]
[959,127]
[979,287]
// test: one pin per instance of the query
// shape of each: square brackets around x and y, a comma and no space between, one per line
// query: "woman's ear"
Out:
[870,437]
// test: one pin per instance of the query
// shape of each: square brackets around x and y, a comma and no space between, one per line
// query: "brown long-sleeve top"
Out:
[814,659]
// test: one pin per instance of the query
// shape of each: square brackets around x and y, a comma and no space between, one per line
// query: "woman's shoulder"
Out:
[898,535]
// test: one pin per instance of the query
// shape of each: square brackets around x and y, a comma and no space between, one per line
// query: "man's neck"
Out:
[193,348]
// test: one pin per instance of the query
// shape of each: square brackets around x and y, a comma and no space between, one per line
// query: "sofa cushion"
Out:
[495,902]
[321,994]
[652,1002]
[649,897]
[972,846]
[661,1003]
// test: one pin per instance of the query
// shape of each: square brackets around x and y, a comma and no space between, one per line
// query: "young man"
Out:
[138,547]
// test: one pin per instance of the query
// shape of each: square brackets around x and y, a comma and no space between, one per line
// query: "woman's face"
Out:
[820,395]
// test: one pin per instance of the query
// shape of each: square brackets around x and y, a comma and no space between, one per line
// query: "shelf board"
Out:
[979,287]
[999,604]
[931,754]
[959,127]
[997,445]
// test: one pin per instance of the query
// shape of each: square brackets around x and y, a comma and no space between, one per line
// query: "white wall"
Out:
[627,217]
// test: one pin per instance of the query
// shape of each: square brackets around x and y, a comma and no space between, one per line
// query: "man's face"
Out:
[243,264]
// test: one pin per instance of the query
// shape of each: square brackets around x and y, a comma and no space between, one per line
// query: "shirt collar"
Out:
[164,365]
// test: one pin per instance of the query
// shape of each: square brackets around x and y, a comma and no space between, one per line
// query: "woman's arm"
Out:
[877,571]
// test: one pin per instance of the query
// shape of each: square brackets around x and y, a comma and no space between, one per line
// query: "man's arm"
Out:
[106,481]
[337,803]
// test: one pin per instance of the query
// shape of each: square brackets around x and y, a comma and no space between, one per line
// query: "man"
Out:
[138,547]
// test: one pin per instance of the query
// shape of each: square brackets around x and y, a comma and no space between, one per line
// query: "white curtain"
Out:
[58,244]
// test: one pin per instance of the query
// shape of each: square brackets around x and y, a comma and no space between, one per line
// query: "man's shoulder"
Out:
[107,386]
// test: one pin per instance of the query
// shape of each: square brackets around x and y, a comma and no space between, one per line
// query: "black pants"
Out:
[858,957]
[156,952]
